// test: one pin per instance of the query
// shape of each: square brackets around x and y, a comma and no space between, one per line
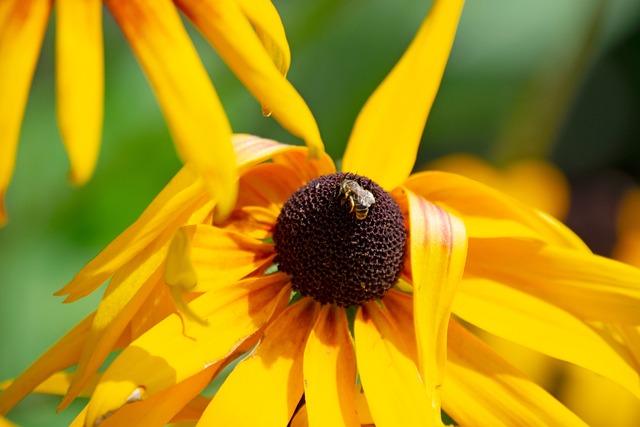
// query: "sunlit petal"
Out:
[395,392]
[123,297]
[80,82]
[532,322]
[385,138]
[330,371]
[438,248]
[169,353]
[22,27]
[470,198]
[274,372]
[63,354]
[482,389]
[190,104]
[589,286]
[182,199]
[224,24]
[159,409]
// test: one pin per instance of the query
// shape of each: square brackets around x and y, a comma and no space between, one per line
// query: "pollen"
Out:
[333,255]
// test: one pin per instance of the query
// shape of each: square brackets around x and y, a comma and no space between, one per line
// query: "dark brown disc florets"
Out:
[337,247]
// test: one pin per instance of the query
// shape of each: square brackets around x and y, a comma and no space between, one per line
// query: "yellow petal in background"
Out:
[385,138]
[168,354]
[437,249]
[390,378]
[188,100]
[482,389]
[330,371]
[265,388]
[227,28]
[80,82]
[534,323]
[22,27]
[469,198]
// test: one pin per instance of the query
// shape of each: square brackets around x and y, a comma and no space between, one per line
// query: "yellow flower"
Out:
[377,350]
[247,34]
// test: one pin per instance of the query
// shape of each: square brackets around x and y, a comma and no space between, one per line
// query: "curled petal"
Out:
[482,389]
[385,138]
[167,354]
[22,27]
[330,371]
[225,25]
[274,370]
[80,82]
[190,104]
[438,248]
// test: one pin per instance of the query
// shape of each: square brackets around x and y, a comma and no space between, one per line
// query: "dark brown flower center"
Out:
[342,239]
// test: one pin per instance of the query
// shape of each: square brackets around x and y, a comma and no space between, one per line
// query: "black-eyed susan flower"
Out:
[339,294]
[248,35]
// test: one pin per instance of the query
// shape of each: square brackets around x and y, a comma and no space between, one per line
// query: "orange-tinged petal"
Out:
[251,221]
[437,249]
[305,168]
[80,82]
[330,371]
[22,27]
[61,355]
[469,198]
[159,409]
[300,418]
[390,378]
[362,407]
[385,138]
[265,388]
[224,24]
[268,185]
[222,257]
[125,294]
[537,324]
[482,389]
[183,199]
[167,354]
[190,104]
[589,286]
[192,411]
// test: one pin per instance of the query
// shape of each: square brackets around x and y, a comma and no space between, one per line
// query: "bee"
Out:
[359,198]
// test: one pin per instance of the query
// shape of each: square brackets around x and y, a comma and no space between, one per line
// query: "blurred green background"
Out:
[341,51]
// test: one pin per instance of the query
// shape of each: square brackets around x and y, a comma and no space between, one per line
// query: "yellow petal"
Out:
[166,355]
[61,355]
[6,423]
[395,392]
[265,19]
[438,249]
[126,292]
[221,257]
[190,104]
[58,383]
[22,27]
[482,389]
[330,371]
[385,138]
[265,388]
[80,82]
[224,24]
[159,409]
[183,199]
[469,198]
[534,323]
[587,285]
